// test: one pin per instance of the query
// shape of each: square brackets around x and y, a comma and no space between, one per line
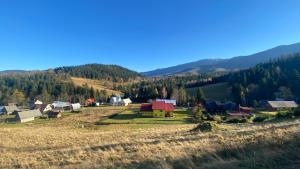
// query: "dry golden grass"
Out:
[63,143]
[96,84]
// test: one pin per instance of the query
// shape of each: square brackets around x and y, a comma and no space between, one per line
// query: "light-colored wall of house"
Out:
[147,113]
[27,120]
[48,109]
[158,113]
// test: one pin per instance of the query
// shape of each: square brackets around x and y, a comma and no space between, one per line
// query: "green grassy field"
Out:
[220,91]
[181,116]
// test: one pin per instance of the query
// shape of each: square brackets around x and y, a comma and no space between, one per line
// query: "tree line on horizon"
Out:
[267,81]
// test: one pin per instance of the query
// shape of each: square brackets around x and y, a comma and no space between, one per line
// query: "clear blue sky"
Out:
[140,34]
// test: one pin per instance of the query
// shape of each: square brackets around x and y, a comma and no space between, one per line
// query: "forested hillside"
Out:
[99,71]
[25,88]
[277,79]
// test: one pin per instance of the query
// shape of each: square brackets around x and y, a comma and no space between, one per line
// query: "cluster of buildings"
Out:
[39,109]
[118,101]
[54,110]
[236,110]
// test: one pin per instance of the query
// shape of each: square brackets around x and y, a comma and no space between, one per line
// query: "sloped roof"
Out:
[11,108]
[127,101]
[282,104]
[160,105]
[44,106]
[156,105]
[29,114]
[245,109]
[90,100]
[59,104]
[38,102]
[167,101]
[146,107]
[169,107]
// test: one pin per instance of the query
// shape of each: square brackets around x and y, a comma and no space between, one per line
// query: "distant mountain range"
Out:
[235,63]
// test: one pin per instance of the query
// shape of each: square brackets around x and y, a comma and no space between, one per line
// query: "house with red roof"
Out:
[90,102]
[157,109]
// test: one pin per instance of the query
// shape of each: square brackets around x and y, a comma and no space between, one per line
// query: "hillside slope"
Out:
[96,84]
[268,81]
[100,72]
[235,63]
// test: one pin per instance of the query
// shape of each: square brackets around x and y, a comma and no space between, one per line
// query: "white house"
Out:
[76,106]
[126,102]
[115,100]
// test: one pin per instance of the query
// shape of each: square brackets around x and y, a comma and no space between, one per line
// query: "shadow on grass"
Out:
[8,119]
[124,116]
[261,155]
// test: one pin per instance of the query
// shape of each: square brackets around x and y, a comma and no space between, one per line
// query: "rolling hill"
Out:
[100,72]
[235,63]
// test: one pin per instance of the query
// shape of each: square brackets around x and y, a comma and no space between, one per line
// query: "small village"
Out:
[209,110]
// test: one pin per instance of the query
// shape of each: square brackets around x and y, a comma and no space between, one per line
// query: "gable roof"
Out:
[146,107]
[157,105]
[160,105]
[10,108]
[59,104]
[128,101]
[29,114]
[169,107]
[282,104]
[44,106]
[38,102]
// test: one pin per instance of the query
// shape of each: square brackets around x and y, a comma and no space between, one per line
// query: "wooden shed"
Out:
[10,110]
[26,116]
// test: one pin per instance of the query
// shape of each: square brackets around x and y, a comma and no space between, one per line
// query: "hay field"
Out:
[74,141]
[96,84]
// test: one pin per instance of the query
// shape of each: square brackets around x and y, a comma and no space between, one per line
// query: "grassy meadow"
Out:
[77,141]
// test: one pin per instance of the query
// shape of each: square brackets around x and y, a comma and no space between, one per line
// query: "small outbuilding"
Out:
[26,116]
[62,106]
[281,105]
[76,107]
[126,102]
[10,110]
